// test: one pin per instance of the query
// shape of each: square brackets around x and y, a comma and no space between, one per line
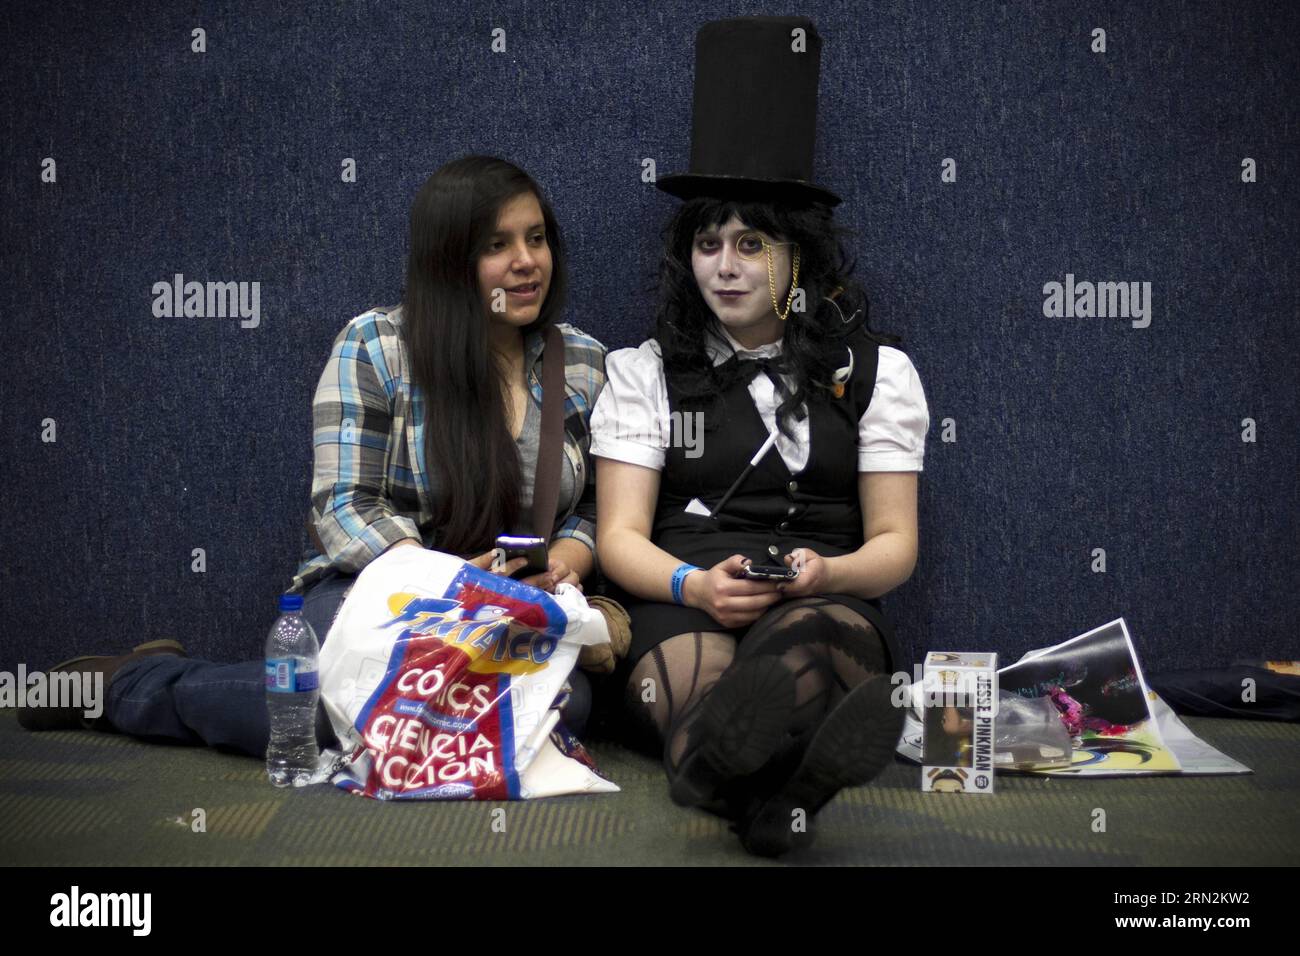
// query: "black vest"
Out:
[774,511]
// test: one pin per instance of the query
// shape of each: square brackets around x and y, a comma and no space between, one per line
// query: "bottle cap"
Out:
[290,602]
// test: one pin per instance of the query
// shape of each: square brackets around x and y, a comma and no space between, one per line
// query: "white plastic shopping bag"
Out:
[441,682]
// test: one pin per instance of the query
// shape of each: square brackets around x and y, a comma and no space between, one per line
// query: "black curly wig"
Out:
[814,339]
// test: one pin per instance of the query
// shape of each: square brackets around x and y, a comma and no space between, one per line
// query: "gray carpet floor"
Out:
[91,799]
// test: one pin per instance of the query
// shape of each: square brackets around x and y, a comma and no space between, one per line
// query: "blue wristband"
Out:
[679,578]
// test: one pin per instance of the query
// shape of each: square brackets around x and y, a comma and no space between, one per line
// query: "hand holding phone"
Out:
[724,594]
[812,574]
[533,550]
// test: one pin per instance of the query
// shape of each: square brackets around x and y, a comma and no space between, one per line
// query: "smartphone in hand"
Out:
[768,572]
[534,549]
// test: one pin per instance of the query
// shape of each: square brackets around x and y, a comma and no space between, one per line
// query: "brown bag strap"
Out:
[550,443]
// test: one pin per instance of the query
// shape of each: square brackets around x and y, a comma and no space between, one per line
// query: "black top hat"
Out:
[754,125]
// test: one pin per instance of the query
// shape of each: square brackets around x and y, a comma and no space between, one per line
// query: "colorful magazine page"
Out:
[1194,755]
[1097,682]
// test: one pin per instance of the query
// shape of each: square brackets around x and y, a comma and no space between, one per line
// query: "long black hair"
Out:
[814,339]
[467,439]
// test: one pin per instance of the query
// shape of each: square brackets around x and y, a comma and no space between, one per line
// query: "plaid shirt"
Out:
[368,428]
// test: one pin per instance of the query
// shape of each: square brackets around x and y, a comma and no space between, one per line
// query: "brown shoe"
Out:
[604,658]
[73,717]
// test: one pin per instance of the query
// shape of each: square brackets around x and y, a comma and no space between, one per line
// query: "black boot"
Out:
[735,729]
[852,745]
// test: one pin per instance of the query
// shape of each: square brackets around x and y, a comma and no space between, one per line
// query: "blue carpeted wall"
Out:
[1169,159]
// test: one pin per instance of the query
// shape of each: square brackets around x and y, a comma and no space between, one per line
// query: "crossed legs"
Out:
[792,669]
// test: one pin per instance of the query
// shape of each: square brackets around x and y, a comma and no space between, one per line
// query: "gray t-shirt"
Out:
[527,444]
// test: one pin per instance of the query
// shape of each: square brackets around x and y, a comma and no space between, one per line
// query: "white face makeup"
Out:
[730,266]
[517,261]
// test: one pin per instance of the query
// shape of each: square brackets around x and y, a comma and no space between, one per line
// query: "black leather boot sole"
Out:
[742,723]
[853,745]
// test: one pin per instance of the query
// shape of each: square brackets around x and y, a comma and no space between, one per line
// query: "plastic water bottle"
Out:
[292,692]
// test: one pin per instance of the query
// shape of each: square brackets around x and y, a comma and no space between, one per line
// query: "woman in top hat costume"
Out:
[766,697]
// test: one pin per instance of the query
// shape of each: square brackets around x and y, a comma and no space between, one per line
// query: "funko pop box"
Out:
[959,710]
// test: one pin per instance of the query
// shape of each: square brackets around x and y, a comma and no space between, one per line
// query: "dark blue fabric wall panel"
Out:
[1071,434]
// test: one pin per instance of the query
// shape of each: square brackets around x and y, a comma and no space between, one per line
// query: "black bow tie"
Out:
[772,368]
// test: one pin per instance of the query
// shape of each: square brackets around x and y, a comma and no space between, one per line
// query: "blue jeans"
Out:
[189,701]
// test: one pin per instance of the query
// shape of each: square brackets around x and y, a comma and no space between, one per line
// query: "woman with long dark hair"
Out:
[764,424]
[426,427]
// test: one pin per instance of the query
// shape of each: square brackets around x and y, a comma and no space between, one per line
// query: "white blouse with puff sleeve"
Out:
[631,421]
